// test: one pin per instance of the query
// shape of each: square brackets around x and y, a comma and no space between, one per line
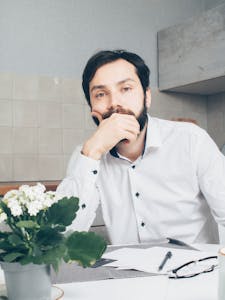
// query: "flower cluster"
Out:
[36,229]
[30,199]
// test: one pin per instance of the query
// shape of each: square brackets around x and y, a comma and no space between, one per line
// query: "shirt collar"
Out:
[153,134]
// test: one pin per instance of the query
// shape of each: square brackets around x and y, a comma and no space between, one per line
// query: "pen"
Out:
[167,256]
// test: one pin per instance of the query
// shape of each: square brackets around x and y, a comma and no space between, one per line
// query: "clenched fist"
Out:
[113,129]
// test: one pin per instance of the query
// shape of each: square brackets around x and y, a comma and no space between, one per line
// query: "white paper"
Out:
[149,260]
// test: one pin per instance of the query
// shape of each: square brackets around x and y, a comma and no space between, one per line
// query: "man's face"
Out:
[117,88]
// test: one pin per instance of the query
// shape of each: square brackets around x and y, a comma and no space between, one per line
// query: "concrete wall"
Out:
[213,3]
[216,118]
[192,53]
[216,128]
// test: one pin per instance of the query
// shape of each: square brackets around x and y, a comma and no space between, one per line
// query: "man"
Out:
[154,178]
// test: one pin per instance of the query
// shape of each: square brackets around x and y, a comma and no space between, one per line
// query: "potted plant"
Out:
[35,238]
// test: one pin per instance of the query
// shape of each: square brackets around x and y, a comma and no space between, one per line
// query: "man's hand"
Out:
[110,132]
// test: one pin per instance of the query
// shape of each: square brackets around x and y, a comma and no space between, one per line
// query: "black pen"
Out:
[167,256]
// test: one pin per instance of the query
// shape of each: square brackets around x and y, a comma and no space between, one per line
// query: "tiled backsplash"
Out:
[42,120]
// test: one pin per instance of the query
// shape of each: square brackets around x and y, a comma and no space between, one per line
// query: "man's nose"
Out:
[115,100]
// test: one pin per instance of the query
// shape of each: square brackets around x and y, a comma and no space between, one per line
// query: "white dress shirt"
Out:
[175,189]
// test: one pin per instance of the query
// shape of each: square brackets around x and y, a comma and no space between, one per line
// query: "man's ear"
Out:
[148,97]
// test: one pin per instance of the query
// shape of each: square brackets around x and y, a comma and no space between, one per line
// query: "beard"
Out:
[142,118]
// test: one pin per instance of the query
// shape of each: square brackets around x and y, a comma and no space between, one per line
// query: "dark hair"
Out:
[104,57]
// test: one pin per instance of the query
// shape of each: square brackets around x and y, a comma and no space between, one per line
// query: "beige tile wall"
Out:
[42,119]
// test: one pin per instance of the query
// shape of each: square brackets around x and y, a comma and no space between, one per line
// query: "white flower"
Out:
[49,199]
[26,193]
[34,207]
[3,217]
[24,188]
[15,207]
[10,194]
[29,198]
[39,188]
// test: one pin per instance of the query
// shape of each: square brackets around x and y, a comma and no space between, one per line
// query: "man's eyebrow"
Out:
[97,87]
[102,86]
[125,80]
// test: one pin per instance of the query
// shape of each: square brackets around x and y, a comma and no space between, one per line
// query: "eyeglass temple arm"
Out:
[190,262]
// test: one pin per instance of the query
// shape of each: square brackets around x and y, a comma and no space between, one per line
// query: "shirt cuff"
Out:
[84,167]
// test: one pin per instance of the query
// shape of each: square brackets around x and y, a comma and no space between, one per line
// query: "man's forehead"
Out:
[116,72]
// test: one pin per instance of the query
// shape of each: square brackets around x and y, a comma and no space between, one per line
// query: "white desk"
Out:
[202,287]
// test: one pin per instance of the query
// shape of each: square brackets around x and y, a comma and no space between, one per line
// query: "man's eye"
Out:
[126,89]
[100,95]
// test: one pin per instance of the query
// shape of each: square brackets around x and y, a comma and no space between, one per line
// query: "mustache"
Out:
[119,110]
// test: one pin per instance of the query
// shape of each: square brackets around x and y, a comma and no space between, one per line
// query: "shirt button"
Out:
[142,224]
[133,167]
[83,206]
[137,194]
[95,172]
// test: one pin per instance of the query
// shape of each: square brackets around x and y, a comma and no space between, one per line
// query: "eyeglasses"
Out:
[194,268]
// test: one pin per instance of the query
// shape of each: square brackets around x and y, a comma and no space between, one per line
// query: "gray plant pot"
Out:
[28,282]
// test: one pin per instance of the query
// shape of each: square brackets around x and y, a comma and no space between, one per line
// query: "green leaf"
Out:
[15,240]
[63,212]
[48,236]
[85,247]
[5,209]
[51,257]
[26,260]
[6,246]
[60,228]
[27,224]
[12,256]
[4,235]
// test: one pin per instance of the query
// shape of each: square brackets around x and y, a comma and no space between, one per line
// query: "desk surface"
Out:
[202,287]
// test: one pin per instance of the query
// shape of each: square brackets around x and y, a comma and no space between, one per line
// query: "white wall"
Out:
[56,37]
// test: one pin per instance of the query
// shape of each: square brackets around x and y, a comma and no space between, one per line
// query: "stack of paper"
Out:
[149,260]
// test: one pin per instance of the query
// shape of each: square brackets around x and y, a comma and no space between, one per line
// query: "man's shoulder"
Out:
[178,127]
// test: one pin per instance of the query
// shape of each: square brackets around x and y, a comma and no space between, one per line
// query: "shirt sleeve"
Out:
[211,175]
[80,181]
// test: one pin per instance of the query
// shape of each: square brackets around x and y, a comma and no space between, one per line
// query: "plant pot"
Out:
[27,282]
